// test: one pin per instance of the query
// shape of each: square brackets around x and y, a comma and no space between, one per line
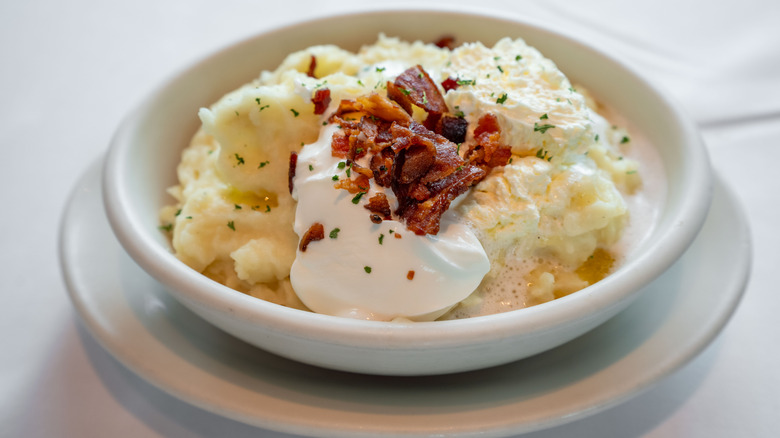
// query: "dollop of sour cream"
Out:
[374,271]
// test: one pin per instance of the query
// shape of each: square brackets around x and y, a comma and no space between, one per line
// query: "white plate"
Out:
[134,318]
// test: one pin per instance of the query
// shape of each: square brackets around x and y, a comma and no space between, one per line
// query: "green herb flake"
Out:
[231,225]
[500,69]
[262,107]
[380,69]
[543,117]
[334,233]
[518,57]
[542,128]
[625,139]
[348,173]
[631,172]
[342,164]
[502,99]
[239,159]
[367,269]
[238,207]
[311,168]
[357,197]
[381,238]
[178,212]
[168,227]
[467,82]
[405,91]
[596,138]
[267,208]
[263,164]
[295,113]
[335,178]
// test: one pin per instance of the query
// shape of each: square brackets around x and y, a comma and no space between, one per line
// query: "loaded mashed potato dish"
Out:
[407,181]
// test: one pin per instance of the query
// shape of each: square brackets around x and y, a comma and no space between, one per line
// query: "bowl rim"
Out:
[619,287]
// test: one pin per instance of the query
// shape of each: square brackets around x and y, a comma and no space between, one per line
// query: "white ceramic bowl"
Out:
[143,156]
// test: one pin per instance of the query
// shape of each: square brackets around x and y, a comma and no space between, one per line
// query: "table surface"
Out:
[71,71]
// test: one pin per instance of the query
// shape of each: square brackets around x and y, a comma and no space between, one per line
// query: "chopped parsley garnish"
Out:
[335,178]
[342,164]
[380,69]
[237,114]
[263,164]
[541,154]
[311,168]
[381,238]
[167,228]
[496,58]
[295,113]
[262,107]
[542,128]
[334,233]
[572,90]
[357,197]
[238,207]
[500,69]
[425,98]
[502,99]
[596,138]
[178,212]
[360,83]
[267,208]
[467,82]
[348,172]
[543,117]
[518,57]
[232,225]
[625,139]
[405,91]
[631,172]
[367,269]
[239,159]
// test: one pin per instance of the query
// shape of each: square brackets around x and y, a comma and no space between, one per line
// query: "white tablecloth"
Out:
[69,71]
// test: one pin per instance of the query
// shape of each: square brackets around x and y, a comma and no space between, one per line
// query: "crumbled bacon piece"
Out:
[354,185]
[321,100]
[415,87]
[446,42]
[450,84]
[312,66]
[314,233]
[379,206]
[488,152]
[410,275]
[291,170]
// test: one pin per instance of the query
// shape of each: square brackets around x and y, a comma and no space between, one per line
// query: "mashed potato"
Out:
[548,220]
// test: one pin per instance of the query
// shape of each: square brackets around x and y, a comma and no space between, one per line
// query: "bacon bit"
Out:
[410,275]
[291,170]
[397,235]
[339,145]
[488,152]
[354,185]
[314,233]
[415,87]
[446,42]
[379,206]
[321,100]
[453,128]
[450,84]
[312,66]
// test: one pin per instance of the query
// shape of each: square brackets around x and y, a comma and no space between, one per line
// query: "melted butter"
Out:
[597,266]
[255,200]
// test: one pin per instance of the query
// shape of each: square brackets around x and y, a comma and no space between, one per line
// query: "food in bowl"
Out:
[410,181]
